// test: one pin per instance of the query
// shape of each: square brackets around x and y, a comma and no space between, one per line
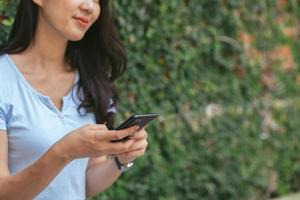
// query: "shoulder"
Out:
[4,61]
[6,68]
[7,75]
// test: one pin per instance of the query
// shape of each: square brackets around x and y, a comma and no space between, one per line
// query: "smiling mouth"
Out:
[82,21]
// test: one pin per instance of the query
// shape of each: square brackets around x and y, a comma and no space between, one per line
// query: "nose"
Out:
[88,6]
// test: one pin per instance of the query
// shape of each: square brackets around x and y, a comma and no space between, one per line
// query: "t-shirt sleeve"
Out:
[2,115]
[112,108]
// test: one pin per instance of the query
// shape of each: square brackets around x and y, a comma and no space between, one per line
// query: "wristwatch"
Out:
[122,167]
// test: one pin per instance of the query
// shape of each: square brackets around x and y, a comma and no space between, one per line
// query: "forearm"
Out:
[29,182]
[101,176]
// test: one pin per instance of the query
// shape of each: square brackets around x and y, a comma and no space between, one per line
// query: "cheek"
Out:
[56,20]
[96,14]
[64,24]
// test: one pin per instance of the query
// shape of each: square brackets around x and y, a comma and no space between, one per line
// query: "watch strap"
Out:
[122,167]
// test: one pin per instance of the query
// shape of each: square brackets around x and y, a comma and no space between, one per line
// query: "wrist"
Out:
[59,152]
[124,159]
[122,166]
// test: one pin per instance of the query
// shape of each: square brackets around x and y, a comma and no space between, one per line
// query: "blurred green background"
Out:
[224,76]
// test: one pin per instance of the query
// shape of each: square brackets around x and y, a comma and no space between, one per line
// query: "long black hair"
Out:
[99,57]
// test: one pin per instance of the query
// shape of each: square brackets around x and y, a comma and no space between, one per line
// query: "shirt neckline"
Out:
[35,91]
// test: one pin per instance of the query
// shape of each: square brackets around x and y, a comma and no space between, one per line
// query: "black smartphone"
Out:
[140,120]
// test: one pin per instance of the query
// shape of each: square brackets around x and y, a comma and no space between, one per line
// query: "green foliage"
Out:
[225,130]
[7,11]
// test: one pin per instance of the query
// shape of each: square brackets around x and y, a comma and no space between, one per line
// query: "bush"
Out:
[224,77]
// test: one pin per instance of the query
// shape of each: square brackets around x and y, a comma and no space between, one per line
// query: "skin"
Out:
[45,66]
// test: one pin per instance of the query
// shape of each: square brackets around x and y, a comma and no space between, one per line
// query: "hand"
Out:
[94,140]
[137,148]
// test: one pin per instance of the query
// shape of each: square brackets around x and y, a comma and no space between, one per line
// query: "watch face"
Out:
[122,167]
[126,166]
[129,164]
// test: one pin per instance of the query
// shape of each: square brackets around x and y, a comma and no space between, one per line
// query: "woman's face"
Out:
[70,18]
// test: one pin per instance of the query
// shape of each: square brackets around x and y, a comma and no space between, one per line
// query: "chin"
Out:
[75,37]
[75,33]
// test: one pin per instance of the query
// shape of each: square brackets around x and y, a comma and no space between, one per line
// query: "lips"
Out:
[83,20]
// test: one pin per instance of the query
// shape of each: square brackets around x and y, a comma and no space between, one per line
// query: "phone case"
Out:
[140,120]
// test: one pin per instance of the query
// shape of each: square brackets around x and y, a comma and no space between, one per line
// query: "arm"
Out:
[87,141]
[101,174]
[28,183]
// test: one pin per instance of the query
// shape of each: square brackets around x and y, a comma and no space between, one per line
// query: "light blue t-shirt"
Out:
[34,124]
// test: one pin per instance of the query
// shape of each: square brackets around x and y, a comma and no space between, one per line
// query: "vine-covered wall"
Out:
[224,77]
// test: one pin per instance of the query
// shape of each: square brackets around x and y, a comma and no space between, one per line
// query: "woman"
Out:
[57,102]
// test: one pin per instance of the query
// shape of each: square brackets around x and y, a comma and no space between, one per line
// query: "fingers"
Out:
[138,145]
[119,147]
[140,135]
[97,127]
[119,134]
[128,146]
[104,138]
[116,134]
[133,154]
